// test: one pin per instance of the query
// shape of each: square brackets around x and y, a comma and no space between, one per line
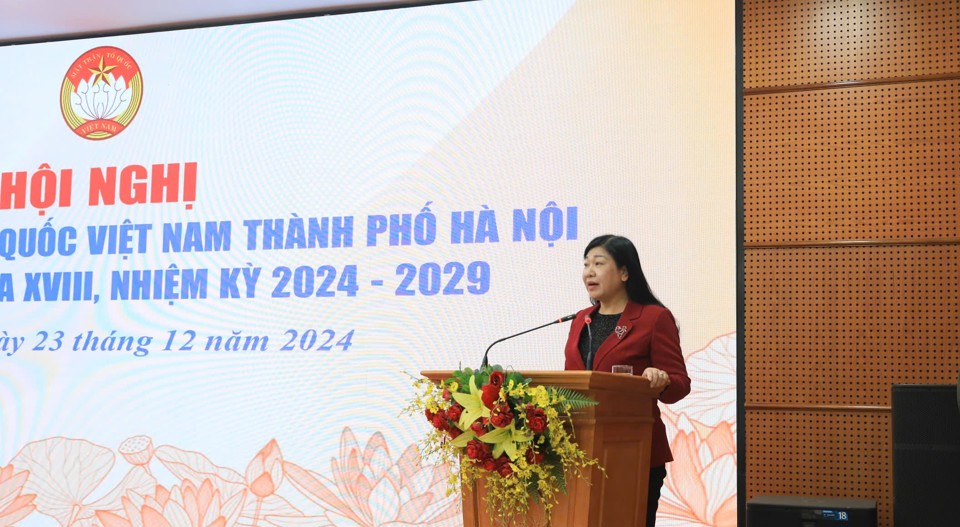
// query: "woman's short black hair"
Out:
[625,255]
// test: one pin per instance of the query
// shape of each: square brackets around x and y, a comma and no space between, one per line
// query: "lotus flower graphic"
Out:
[713,374]
[101,98]
[701,485]
[64,473]
[14,504]
[365,488]
[181,506]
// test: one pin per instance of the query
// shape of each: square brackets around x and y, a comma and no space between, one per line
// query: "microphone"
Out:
[567,318]
[587,320]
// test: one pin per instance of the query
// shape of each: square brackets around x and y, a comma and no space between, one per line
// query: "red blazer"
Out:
[649,337]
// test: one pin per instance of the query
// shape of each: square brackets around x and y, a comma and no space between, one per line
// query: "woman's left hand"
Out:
[657,377]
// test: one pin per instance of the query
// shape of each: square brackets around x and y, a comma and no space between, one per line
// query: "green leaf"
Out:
[556,470]
[461,380]
[532,489]
[575,399]
[516,378]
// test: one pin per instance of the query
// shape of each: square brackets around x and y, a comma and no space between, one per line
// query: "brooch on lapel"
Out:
[620,331]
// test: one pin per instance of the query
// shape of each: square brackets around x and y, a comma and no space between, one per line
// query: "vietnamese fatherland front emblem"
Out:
[101,93]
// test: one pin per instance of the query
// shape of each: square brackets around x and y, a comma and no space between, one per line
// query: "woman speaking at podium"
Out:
[627,325]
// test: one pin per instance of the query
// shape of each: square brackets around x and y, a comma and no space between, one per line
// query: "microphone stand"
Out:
[486,363]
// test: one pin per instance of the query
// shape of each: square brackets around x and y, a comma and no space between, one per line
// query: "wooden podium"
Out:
[617,432]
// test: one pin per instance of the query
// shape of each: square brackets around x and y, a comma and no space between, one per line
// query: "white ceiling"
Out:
[33,20]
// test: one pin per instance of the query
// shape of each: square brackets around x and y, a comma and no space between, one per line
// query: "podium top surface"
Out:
[583,380]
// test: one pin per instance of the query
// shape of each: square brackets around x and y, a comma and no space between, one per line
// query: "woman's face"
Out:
[603,280]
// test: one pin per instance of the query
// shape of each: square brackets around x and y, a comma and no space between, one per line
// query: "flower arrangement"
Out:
[494,425]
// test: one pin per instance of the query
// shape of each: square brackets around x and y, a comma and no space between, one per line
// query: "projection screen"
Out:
[219,240]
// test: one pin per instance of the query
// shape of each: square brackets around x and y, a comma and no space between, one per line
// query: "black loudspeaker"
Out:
[926,455]
[804,511]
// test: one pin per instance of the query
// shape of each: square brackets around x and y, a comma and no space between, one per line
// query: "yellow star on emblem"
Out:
[100,72]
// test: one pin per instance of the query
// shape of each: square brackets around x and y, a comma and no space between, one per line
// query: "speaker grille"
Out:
[926,455]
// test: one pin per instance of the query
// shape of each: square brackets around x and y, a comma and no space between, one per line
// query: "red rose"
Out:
[454,432]
[536,420]
[496,378]
[489,464]
[489,395]
[537,425]
[475,449]
[505,470]
[446,394]
[453,413]
[477,428]
[501,416]
[428,414]
[534,458]
[440,421]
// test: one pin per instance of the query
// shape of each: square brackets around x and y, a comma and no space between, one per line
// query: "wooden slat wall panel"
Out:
[851,178]
[877,162]
[822,453]
[790,42]
[840,325]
